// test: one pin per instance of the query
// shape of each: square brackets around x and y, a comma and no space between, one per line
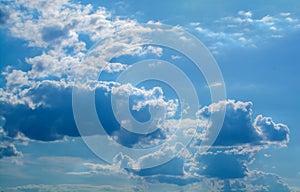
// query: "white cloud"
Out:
[153,97]
[195,23]
[286,14]
[238,141]
[166,152]
[267,155]
[8,150]
[221,33]
[273,28]
[270,131]
[174,57]
[96,168]
[268,20]
[57,33]
[289,19]
[70,187]
[245,13]
[215,84]
[239,118]
[155,50]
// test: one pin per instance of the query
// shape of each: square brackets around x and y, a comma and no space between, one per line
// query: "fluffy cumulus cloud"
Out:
[240,138]
[239,127]
[61,31]
[53,119]
[224,167]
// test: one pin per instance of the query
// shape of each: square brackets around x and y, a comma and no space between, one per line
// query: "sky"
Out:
[149,95]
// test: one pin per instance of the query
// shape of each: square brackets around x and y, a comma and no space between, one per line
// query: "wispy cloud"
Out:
[245,29]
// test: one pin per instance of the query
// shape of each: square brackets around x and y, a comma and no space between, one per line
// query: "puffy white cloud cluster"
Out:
[63,31]
[153,97]
[240,128]
[224,167]
[239,140]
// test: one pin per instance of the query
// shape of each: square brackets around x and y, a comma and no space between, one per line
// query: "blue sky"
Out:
[53,52]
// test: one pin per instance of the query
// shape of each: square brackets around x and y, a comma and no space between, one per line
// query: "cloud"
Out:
[173,167]
[239,140]
[40,117]
[8,151]
[260,181]
[256,181]
[226,163]
[174,57]
[54,27]
[285,14]
[4,16]
[270,131]
[241,30]
[42,123]
[57,36]
[28,93]
[238,127]
[96,168]
[7,144]
[245,13]
[264,183]
[153,98]
[55,32]
[69,187]
[155,50]
[221,165]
